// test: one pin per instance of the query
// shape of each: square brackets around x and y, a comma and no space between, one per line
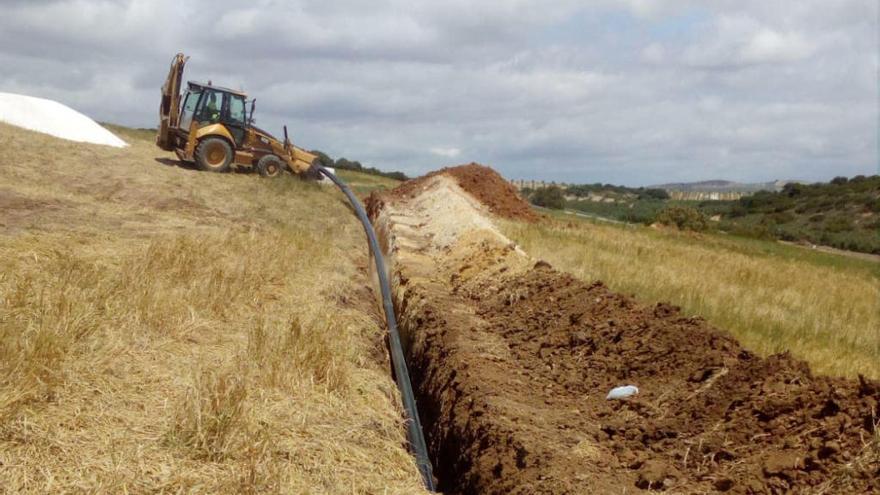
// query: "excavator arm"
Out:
[169,108]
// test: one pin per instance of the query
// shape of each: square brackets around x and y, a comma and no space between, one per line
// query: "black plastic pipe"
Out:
[398,361]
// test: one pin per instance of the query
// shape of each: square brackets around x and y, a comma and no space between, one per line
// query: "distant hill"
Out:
[725,186]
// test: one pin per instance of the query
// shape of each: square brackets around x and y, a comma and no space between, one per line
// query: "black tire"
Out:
[270,166]
[213,154]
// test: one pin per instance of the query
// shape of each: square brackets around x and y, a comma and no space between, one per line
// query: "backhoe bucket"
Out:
[299,160]
[169,108]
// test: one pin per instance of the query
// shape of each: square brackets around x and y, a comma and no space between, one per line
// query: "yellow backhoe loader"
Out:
[214,129]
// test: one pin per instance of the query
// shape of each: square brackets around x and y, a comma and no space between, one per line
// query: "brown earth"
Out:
[484,184]
[512,359]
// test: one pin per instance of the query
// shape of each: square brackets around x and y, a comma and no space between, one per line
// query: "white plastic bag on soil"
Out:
[622,392]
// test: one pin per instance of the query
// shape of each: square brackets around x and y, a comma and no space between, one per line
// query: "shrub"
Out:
[792,189]
[654,194]
[356,166]
[758,201]
[323,158]
[684,217]
[346,164]
[838,224]
[782,204]
[802,208]
[395,175]
[782,217]
[738,210]
[549,197]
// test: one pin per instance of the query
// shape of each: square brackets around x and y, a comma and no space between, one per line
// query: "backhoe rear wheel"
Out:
[270,166]
[213,154]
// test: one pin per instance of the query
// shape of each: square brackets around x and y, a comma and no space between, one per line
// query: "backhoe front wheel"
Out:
[213,155]
[270,166]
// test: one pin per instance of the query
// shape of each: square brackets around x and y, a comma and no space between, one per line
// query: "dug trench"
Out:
[511,361]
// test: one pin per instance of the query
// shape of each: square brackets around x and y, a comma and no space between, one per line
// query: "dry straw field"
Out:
[822,307]
[167,330]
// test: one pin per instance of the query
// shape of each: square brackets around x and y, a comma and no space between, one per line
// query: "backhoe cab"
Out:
[212,127]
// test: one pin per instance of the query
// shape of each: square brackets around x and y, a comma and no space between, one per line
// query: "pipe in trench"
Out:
[414,426]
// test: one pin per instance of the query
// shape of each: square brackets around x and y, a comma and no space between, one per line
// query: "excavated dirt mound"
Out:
[484,184]
[512,360]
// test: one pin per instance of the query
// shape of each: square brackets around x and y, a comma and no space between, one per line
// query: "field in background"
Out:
[822,307]
[163,329]
[365,183]
[842,214]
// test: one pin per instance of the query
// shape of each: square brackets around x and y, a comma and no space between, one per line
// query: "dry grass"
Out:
[167,330]
[823,308]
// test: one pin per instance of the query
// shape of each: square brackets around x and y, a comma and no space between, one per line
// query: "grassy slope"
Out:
[364,183]
[163,329]
[632,211]
[841,215]
[822,307]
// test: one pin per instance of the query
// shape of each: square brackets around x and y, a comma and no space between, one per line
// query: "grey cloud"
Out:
[750,91]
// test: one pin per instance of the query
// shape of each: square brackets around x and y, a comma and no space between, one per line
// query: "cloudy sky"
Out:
[631,91]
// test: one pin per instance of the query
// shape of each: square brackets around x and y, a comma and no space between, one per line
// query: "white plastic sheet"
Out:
[55,119]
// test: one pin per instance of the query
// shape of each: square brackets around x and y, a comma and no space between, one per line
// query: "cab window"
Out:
[209,106]
[189,108]
[236,110]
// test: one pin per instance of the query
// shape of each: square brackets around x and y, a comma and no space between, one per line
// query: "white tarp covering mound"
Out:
[55,119]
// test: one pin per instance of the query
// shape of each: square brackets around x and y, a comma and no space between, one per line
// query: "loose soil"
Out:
[481,182]
[512,359]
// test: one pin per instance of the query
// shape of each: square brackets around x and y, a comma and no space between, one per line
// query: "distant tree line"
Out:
[554,196]
[584,190]
[346,164]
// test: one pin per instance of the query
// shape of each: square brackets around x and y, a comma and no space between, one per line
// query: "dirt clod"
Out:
[778,463]
[652,474]
[723,484]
